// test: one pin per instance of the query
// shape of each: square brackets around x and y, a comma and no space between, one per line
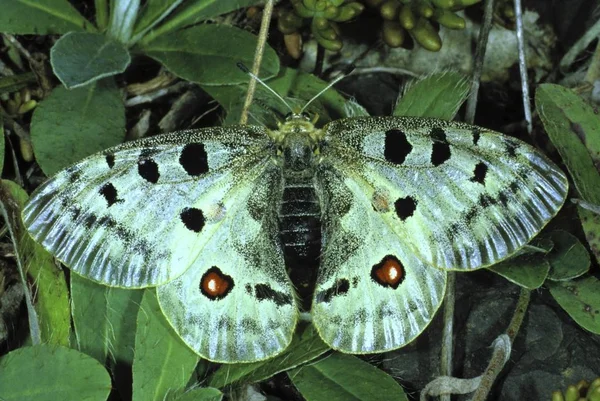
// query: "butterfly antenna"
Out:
[343,75]
[245,69]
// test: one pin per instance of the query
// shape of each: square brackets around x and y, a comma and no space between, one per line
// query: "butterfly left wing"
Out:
[462,197]
[372,293]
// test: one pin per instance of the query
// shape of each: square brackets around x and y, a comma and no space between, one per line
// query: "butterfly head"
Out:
[298,142]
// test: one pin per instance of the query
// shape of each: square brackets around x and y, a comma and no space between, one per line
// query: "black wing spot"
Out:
[405,207]
[479,173]
[193,219]
[511,148]
[148,170]
[476,136]
[194,159]
[340,287]
[440,150]
[109,192]
[110,160]
[396,146]
[265,292]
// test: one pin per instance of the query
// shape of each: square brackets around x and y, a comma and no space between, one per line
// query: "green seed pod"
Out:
[26,150]
[594,394]
[331,12]
[320,23]
[392,33]
[349,11]
[444,3]
[448,19]
[289,22]
[293,44]
[407,18]
[321,5]
[426,36]
[301,9]
[465,3]
[390,9]
[595,384]
[424,9]
[12,107]
[572,394]
[27,106]
[557,396]
[310,4]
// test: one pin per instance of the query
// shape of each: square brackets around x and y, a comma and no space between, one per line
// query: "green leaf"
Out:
[208,54]
[1,142]
[304,348]
[104,319]
[79,58]
[123,16]
[41,17]
[569,258]
[50,373]
[580,298]
[51,294]
[590,222]
[345,378]
[162,362]
[191,12]
[437,96]
[529,268]
[198,394]
[574,129]
[71,124]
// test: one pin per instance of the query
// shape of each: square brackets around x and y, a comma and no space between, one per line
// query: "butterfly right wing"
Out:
[139,214]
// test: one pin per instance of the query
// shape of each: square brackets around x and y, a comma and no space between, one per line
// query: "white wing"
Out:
[461,197]
[372,293]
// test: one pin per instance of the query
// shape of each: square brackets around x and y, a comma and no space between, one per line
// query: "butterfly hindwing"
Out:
[460,196]
[372,294]
[236,303]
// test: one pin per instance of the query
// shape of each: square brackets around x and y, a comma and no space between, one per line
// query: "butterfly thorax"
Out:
[299,209]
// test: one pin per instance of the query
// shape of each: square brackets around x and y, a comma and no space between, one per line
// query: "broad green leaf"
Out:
[104,319]
[72,124]
[569,258]
[580,298]
[304,348]
[41,17]
[51,373]
[345,378]
[208,54]
[51,293]
[162,362]
[528,269]
[437,96]
[191,12]
[1,143]
[79,58]
[573,127]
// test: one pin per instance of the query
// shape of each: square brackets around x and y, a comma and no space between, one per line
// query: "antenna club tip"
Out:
[243,67]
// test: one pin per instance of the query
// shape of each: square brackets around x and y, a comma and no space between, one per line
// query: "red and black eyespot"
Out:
[215,284]
[389,272]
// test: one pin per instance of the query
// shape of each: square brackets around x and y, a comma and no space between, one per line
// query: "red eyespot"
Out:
[389,272]
[215,284]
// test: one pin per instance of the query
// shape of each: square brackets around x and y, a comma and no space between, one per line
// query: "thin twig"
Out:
[523,66]
[484,33]
[499,357]
[447,335]
[258,55]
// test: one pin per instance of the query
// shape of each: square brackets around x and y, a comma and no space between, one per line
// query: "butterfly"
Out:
[205,216]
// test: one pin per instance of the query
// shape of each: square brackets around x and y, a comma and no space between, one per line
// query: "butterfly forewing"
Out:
[372,294]
[139,214]
[461,197]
